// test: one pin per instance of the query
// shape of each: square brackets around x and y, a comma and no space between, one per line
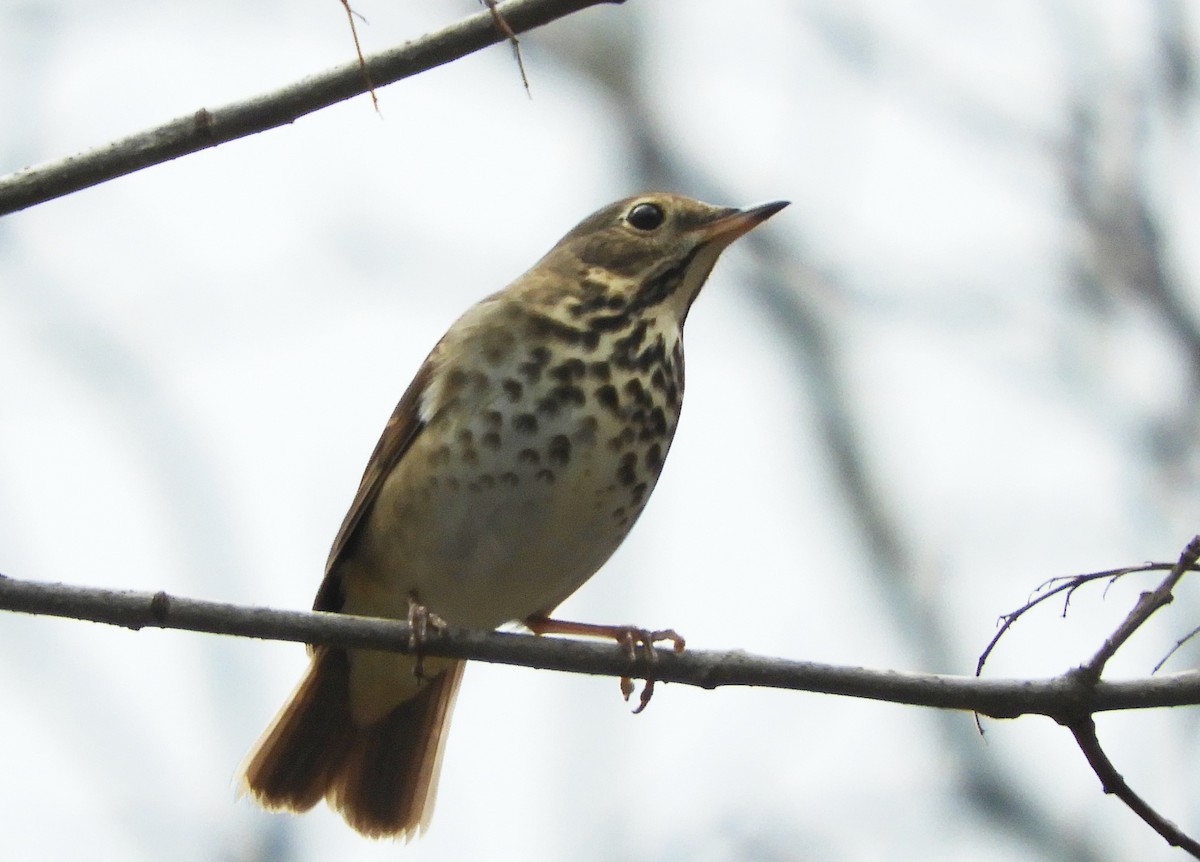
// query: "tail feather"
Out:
[382,778]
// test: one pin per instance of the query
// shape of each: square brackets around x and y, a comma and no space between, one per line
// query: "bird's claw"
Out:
[631,639]
[421,621]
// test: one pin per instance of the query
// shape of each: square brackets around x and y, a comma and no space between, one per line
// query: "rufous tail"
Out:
[382,778]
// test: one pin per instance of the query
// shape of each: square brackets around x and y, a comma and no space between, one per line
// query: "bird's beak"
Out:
[732,223]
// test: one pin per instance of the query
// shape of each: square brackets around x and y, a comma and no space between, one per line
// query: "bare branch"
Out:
[1147,604]
[1059,697]
[1067,586]
[207,127]
[1114,783]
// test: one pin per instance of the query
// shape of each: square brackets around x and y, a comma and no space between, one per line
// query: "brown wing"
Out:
[402,428]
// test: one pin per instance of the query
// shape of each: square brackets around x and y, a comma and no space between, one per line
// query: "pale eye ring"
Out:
[646,216]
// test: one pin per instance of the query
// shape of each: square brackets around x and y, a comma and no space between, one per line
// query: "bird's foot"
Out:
[421,621]
[630,638]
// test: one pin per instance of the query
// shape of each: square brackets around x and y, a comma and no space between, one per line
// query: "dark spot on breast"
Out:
[627,344]
[544,475]
[487,480]
[627,470]
[607,396]
[493,419]
[490,440]
[568,395]
[513,389]
[656,425]
[623,440]
[529,456]
[440,456]
[532,368]
[470,457]
[466,436]
[452,484]
[548,406]
[658,380]
[544,326]
[571,369]
[600,370]
[608,322]
[509,478]
[638,492]
[525,423]
[558,452]
[637,392]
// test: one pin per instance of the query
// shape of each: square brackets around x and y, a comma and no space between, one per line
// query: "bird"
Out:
[514,465]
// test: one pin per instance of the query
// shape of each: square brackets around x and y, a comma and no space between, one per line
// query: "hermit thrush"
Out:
[512,468]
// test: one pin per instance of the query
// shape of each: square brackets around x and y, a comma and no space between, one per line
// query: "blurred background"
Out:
[966,360]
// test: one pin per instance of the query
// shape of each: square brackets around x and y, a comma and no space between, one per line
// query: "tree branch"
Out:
[207,127]
[1113,782]
[1058,697]
[1147,604]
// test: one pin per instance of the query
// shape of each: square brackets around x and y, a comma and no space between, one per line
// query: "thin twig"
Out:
[1146,605]
[1055,586]
[1087,678]
[1113,782]
[706,669]
[502,26]
[362,63]
[207,127]
[1174,649]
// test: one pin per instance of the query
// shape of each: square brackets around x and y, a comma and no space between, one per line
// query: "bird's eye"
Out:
[646,216]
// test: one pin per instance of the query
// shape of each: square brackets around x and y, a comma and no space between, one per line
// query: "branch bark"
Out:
[1113,782]
[207,127]
[1058,697]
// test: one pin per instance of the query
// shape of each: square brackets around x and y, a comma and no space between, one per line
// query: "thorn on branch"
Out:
[511,36]
[362,63]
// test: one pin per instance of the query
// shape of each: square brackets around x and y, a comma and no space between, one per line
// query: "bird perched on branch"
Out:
[516,462]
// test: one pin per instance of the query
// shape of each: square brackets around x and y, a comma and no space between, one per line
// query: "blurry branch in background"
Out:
[1110,162]
[1072,698]
[207,127]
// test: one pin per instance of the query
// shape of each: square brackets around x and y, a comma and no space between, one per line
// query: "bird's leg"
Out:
[628,637]
[420,621]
